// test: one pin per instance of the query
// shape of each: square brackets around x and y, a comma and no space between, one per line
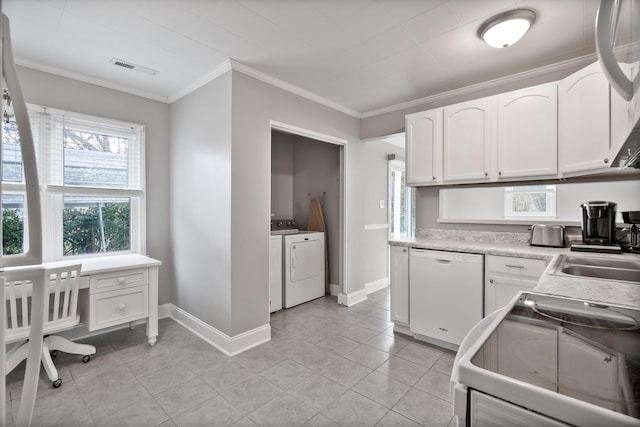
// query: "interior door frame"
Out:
[342,233]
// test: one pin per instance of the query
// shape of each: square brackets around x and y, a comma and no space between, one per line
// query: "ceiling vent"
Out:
[130,66]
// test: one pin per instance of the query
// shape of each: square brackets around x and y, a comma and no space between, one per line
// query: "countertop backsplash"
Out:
[482,236]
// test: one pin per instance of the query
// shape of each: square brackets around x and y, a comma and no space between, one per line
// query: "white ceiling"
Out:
[358,55]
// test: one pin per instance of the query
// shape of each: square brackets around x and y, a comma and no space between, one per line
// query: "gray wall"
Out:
[375,189]
[67,94]
[200,202]
[254,105]
[316,169]
[281,175]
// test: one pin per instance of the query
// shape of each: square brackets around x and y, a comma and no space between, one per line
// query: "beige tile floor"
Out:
[326,365]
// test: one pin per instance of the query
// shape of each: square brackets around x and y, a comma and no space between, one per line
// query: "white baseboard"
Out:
[352,298]
[223,342]
[334,289]
[376,285]
[226,344]
[402,329]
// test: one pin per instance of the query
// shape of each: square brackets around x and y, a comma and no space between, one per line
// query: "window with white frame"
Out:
[91,174]
[531,201]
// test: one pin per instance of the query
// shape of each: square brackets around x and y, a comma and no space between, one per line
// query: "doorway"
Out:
[306,165]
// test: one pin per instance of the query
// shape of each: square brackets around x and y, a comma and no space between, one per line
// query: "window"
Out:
[537,201]
[92,180]
[402,204]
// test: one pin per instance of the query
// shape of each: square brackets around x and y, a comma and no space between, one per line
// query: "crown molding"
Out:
[203,80]
[501,81]
[296,90]
[231,64]
[90,80]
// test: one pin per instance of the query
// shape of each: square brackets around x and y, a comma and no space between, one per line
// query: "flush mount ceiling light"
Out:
[506,28]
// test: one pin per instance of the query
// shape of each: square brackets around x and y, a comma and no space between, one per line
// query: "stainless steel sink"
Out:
[598,268]
[602,262]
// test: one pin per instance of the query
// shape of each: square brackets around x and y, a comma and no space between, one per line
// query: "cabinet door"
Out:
[583,125]
[424,146]
[399,284]
[528,132]
[624,114]
[499,291]
[467,141]
[528,353]
[586,372]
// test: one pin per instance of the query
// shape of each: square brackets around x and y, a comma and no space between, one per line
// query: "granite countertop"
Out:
[604,291]
[515,249]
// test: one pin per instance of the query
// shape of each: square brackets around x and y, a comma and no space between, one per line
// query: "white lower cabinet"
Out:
[399,282]
[506,276]
[528,353]
[591,377]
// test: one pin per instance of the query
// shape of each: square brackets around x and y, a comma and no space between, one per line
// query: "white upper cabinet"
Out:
[424,147]
[467,141]
[624,114]
[528,133]
[583,124]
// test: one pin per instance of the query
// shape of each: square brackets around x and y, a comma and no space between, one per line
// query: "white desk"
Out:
[120,289]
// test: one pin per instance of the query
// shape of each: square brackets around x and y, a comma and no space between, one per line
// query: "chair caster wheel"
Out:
[57,383]
[53,353]
[86,358]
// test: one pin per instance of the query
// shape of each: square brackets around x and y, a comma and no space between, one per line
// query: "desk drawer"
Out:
[119,280]
[117,307]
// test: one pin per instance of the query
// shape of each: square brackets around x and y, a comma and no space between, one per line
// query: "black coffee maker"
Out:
[630,237]
[598,228]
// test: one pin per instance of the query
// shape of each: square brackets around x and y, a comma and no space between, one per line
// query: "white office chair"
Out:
[61,313]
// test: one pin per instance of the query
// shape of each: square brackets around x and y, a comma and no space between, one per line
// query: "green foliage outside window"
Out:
[12,231]
[82,233]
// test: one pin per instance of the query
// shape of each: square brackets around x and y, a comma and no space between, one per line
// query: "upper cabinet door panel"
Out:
[467,141]
[583,125]
[423,148]
[528,132]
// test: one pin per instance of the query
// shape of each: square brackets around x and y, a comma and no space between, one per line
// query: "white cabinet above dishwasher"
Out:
[446,291]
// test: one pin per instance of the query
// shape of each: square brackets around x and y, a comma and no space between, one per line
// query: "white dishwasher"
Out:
[446,290]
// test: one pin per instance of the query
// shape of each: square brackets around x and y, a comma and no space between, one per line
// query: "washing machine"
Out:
[303,267]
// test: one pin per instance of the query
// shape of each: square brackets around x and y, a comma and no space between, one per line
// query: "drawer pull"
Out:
[121,307]
[122,281]
[514,266]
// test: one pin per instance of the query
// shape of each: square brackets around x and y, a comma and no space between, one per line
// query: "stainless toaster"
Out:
[547,235]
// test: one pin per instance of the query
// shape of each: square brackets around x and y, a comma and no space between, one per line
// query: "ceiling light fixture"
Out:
[506,28]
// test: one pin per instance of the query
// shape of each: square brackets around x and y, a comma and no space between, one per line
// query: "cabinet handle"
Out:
[433,178]
[500,173]
[121,281]
[513,266]
[486,174]
[404,250]
[121,307]
[606,160]
[491,281]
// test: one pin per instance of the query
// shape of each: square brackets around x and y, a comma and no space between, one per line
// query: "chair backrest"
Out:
[60,308]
